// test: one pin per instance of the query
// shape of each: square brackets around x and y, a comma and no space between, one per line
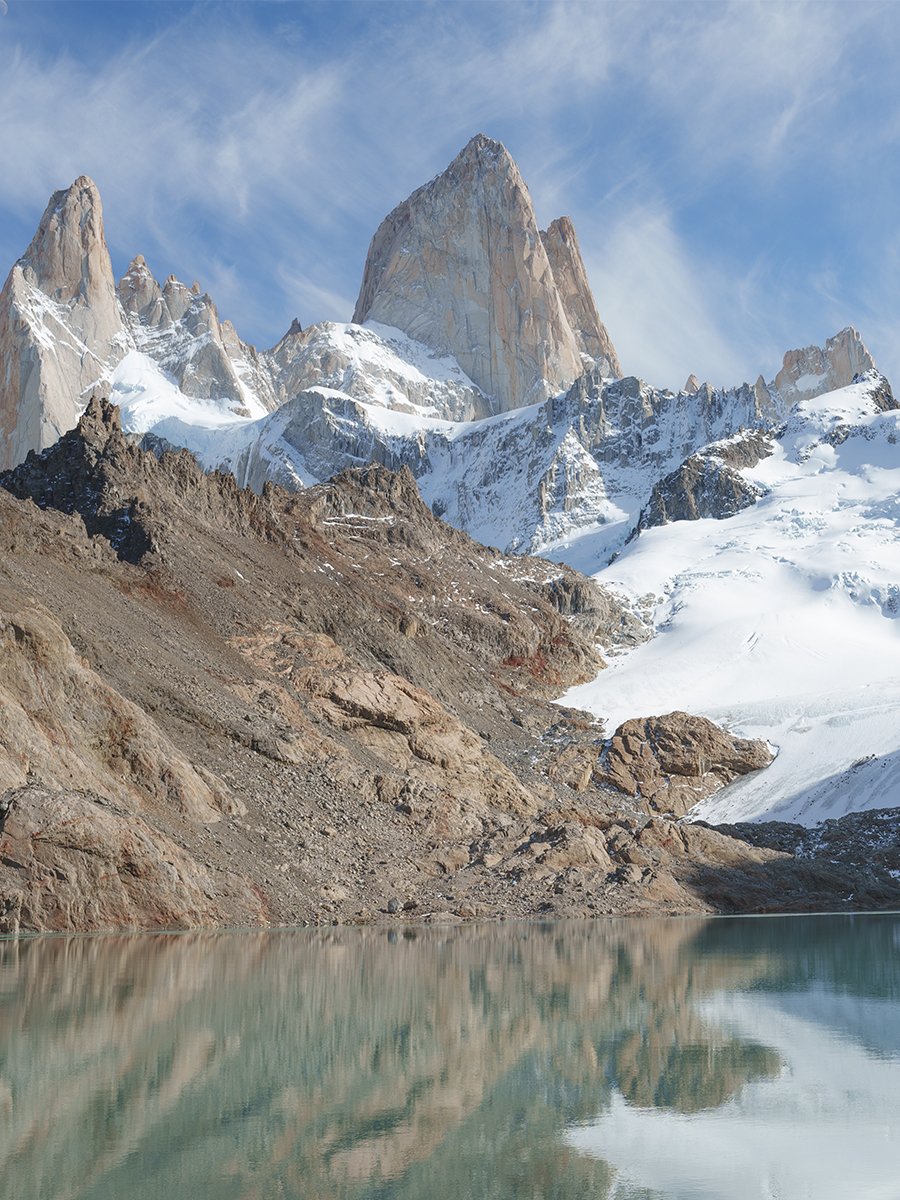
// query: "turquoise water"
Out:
[724,1059]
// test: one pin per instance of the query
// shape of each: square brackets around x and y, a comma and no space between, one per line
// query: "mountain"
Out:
[743,539]
[462,266]
[568,477]
[61,327]
[442,394]
[519,330]
[332,707]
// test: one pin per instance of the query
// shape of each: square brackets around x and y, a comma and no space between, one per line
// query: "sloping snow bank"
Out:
[782,622]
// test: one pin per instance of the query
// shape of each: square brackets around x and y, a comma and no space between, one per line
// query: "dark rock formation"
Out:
[72,476]
[709,483]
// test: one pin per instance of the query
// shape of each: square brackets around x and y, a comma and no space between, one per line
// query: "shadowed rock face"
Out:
[71,477]
[709,483]
[462,267]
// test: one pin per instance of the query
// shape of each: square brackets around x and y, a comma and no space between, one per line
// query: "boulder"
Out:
[672,762]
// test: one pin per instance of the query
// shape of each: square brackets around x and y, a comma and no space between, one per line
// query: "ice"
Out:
[780,622]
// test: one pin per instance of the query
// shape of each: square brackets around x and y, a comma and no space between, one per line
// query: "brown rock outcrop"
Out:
[75,860]
[672,762]
[709,483]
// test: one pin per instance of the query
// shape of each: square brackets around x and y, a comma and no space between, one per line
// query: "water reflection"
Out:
[624,1059]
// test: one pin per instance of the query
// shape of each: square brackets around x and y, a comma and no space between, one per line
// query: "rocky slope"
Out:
[709,483]
[333,707]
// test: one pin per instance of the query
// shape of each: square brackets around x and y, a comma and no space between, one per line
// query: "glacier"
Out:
[781,622]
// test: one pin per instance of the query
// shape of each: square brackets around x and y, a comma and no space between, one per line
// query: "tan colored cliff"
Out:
[571,280]
[60,324]
[461,266]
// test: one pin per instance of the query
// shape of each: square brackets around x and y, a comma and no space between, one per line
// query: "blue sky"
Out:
[732,169]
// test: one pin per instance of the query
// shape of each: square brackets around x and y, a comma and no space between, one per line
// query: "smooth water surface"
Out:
[724,1059]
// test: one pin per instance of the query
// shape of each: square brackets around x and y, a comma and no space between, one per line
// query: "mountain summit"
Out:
[60,323]
[462,266]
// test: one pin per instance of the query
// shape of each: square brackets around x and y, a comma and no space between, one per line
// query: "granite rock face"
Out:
[462,267]
[61,327]
[571,281]
[815,370]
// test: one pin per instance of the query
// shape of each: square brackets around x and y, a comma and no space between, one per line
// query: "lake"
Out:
[722,1058]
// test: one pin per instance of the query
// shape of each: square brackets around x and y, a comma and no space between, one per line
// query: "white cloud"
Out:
[261,159]
[663,310]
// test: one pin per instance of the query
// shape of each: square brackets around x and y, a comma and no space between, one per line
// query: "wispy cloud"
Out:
[663,308]
[257,147]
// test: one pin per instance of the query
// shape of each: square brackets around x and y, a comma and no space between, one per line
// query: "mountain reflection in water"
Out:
[671,1058]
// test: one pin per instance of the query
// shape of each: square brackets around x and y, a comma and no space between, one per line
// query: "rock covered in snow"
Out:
[376,365]
[709,483]
[179,328]
[580,464]
[780,621]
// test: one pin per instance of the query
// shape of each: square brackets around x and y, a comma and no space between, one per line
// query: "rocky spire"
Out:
[61,325]
[68,258]
[574,290]
[815,370]
[462,267]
